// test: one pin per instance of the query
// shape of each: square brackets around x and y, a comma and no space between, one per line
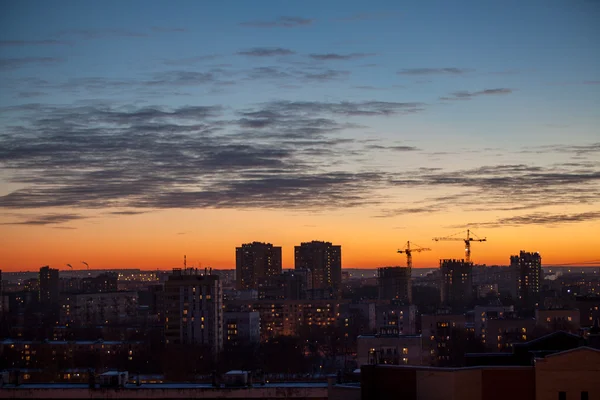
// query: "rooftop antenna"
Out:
[184,262]
[86,264]
[70,266]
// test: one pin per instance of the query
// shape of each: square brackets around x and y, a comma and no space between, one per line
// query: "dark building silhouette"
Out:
[322,262]
[256,262]
[526,269]
[193,309]
[456,288]
[49,285]
[290,285]
[395,283]
[103,283]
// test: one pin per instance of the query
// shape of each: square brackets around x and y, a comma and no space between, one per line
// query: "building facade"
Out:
[322,262]
[456,288]
[395,283]
[49,285]
[256,262]
[193,309]
[92,309]
[241,328]
[526,269]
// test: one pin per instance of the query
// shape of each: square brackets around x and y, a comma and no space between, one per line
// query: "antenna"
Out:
[86,264]
[184,262]
[70,266]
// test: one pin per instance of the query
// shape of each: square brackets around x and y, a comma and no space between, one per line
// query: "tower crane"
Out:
[467,241]
[408,251]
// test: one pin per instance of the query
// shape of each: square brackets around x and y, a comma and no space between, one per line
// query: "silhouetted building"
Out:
[290,285]
[193,312]
[49,285]
[103,283]
[526,269]
[395,283]
[241,328]
[398,316]
[93,309]
[442,337]
[391,349]
[323,263]
[255,262]
[457,284]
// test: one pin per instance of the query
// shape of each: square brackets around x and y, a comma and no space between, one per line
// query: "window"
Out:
[562,395]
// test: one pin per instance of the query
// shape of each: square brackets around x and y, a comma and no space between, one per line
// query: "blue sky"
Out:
[320,104]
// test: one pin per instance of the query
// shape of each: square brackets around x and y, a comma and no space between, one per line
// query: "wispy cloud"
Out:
[48,219]
[542,218]
[435,71]
[281,22]
[340,57]
[464,95]
[46,42]
[101,33]
[14,63]
[266,52]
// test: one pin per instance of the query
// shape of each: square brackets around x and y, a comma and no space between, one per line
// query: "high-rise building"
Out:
[395,283]
[1,294]
[193,312]
[323,263]
[456,288]
[256,262]
[49,285]
[526,269]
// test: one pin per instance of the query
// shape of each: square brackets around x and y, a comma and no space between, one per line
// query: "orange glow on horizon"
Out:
[159,240]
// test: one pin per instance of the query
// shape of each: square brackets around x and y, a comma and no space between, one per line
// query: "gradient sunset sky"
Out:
[134,132]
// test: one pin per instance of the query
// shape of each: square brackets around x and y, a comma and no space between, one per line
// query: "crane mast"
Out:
[408,251]
[467,242]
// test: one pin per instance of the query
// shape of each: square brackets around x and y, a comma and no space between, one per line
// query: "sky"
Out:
[133,133]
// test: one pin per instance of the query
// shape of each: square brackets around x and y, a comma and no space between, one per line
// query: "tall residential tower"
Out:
[256,262]
[322,262]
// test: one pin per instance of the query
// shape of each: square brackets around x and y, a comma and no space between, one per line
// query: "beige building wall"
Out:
[571,371]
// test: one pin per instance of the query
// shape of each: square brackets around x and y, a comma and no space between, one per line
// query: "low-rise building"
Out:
[558,319]
[438,333]
[90,309]
[241,328]
[389,349]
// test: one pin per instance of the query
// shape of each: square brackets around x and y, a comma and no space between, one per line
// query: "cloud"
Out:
[327,75]
[393,148]
[542,218]
[280,154]
[14,63]
[336,57]
[591,82]
[48,219]
[46,42]
[28,95]
[266,52]
[281,22]
[127,212]
[140,159]
[434,71]
[464,95]
[101,33]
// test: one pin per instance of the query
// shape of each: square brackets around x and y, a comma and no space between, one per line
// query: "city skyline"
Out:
[134,133]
